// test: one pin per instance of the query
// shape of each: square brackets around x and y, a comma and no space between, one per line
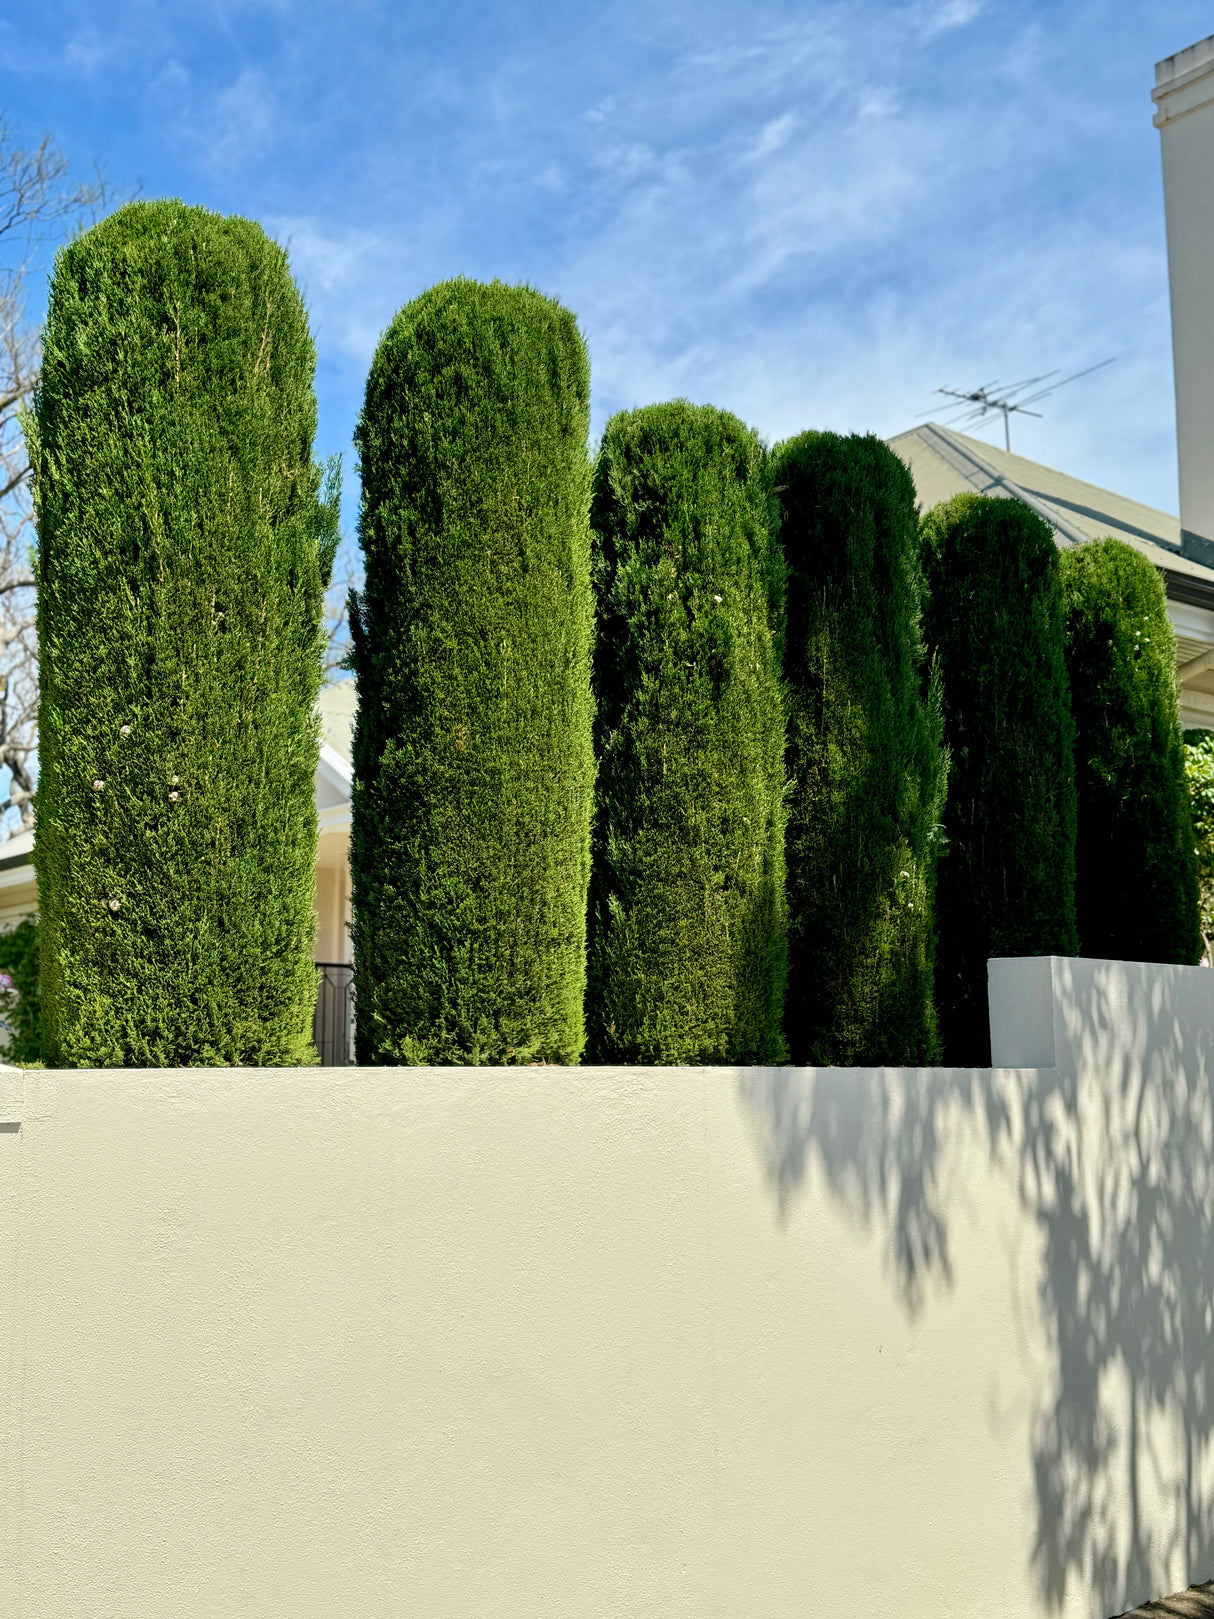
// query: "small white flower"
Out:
[115,904]
[176,779]
[98,786]
[670,598]
[718,598]
[125,731]
[173,797]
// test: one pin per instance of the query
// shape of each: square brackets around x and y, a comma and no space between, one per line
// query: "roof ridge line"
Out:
[1035,503]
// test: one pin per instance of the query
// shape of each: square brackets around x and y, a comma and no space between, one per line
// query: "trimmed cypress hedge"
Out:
[183,554]
[1199,775]
[687,911]
[19,1001]
[1136,878]
[865,758]
[473,765]
[1006,885]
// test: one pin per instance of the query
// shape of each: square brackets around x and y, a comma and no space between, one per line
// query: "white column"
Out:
[1184,98]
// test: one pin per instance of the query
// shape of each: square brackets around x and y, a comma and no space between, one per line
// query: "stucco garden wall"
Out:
[621,1342]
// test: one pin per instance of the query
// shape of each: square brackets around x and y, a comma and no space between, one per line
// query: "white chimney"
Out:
[1184,100]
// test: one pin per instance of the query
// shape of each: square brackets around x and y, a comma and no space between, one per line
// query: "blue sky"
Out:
[810,214]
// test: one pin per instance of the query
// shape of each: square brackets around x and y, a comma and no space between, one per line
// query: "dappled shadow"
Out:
[1112,1157]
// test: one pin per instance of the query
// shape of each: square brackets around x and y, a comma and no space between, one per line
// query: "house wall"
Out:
[333,902]
[18,899]
[621,1341]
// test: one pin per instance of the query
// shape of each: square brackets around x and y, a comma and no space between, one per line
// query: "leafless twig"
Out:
[38,203]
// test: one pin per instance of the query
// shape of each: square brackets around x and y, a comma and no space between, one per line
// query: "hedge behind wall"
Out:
[473,764]
[1137,893]
[19,1002]
[687,912]
[183,554]
[1006,882]
[864,757]
[1199,776]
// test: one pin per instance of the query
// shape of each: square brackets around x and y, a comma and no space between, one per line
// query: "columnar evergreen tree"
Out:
[865,758]
[1006,885]
[183,552]
[473,763]
[1199,775]
[687,915]
[1136,874]
[19,992]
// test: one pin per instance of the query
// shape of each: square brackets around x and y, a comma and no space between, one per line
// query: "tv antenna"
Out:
[977,404]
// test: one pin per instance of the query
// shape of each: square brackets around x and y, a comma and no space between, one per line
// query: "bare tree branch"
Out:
[347,576]
[39,202]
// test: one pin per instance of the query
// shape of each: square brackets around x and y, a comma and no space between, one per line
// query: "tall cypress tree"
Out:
[183,554]
[1006,885]
[473,763]
[864,757]
[687,914]
[19,1007]
[1136,883]
[1199,776]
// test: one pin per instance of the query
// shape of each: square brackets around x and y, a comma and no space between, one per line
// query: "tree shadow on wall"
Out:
[1115,1166]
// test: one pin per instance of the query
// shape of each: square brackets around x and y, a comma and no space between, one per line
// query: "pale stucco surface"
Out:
[619,1341]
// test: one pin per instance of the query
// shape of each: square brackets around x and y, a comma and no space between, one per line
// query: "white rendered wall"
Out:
[1184,96]
[620,1342]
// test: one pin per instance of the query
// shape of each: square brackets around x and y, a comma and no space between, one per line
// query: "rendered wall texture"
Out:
[621,1342]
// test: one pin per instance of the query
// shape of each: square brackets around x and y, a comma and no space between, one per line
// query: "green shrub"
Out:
[1136,874]
[687,916]
[864,757]
[473,765]
[1006,885]
[183,554]
[1199,775]
[19,1000]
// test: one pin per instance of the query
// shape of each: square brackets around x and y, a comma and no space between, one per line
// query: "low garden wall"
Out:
[589,1341]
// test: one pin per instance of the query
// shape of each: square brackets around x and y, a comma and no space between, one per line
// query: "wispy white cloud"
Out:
[941,16]
[774,134]
[835,265]
[809,211]
[87,50]
[241,123]
[346,277]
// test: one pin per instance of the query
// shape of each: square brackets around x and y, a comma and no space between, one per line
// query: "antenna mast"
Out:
[979,403]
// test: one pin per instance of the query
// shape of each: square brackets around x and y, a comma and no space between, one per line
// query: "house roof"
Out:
[945,463]
[16,850]
[337,705]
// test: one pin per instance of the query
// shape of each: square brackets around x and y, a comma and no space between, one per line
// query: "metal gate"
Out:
[333,1020]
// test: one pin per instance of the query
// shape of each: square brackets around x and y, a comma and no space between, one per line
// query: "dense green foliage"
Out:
[183,553]
[19,999]
[687,915]
[1136,875]
[1199,775]
[864,757]
[473,761]
[1006,885]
